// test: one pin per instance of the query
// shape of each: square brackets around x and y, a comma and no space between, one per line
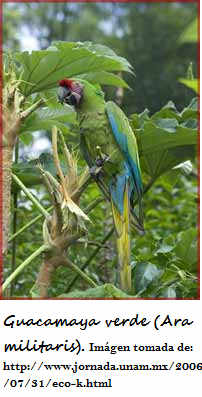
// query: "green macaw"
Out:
[108,144]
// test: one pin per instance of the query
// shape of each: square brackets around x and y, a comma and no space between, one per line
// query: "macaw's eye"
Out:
[71,99]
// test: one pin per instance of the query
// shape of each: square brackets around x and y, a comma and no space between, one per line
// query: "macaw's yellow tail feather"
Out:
[121,223]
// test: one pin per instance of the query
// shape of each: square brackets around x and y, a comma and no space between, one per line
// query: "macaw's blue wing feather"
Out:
[117,188]
[126,142]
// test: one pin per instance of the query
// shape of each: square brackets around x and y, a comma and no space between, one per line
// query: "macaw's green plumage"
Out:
[108,144]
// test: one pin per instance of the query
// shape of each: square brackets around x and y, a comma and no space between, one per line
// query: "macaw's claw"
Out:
[101,160]
[95,171]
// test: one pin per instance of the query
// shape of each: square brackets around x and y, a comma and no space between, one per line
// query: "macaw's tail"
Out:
[121,223]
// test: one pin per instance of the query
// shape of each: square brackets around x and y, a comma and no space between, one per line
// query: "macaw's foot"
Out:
[99,161]
[95,171]
[101,158]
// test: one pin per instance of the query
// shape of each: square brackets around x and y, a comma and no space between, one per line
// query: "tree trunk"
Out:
[11,125]
[7,163]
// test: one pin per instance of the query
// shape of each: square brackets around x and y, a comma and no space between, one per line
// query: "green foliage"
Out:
[104,291]
[166,257]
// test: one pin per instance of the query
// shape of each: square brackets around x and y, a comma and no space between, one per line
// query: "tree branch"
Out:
[31,109]
[30,196]
[21,267]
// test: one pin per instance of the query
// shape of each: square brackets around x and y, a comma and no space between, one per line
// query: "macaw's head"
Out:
[70,92]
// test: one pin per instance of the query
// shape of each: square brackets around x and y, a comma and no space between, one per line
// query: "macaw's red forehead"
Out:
[66,83]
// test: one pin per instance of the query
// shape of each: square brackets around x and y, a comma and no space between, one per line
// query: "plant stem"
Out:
[28,225]
[149,185]
[31,109]
[21,267]
[94,204]
[80,273]
[94,253]
[30,196]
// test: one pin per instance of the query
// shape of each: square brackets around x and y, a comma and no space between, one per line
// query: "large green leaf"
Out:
[186,248]
[193,84]
[191,110]
[105,78]
[42,69]
[158,136]
[168,292]
[101,49]
[190,35]
[162,150]
[167,138]
[44,119]
[143,274]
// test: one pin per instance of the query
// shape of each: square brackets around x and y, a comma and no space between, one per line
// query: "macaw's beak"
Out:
[63,94]
[66,95]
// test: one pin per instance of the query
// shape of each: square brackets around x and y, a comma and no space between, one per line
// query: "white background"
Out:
[154,383]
